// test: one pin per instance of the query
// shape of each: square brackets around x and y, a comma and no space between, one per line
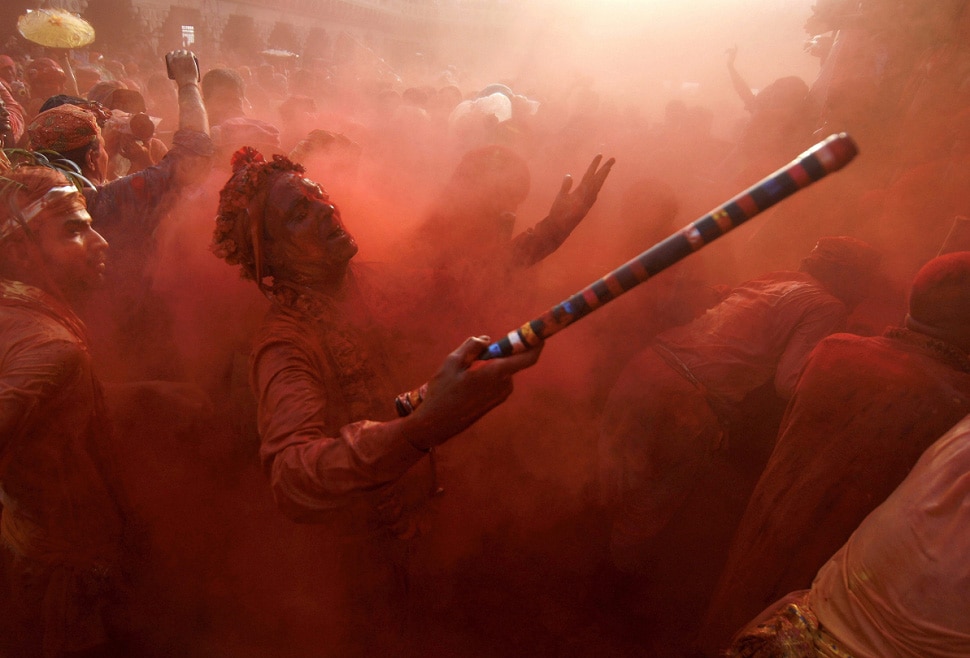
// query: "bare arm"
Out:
[740,86]
[568,209]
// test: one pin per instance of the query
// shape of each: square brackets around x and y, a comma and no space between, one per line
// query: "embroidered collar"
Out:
[943,350]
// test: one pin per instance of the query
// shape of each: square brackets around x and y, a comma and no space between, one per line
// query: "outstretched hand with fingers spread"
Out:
[571,205]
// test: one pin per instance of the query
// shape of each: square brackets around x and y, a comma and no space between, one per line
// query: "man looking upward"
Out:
[333,450]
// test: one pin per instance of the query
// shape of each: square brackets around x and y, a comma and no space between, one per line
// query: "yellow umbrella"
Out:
[55,28]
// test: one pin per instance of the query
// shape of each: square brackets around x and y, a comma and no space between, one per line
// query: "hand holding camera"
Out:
[183,67]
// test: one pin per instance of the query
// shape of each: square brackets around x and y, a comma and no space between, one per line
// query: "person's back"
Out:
[675,422]
[863,411]
[760,332]
[671,409]
[897,587]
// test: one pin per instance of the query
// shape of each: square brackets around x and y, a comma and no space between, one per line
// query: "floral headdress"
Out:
[238,236]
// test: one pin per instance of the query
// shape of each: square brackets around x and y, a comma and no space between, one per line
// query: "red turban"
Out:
[63,128]
[45,71]
[940,295]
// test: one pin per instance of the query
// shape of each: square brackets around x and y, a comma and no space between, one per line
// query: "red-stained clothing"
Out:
[667,414]
[130,326]
[60,520]
[323,385]
[762,332]
[863,412]
[898,587]
[127,210]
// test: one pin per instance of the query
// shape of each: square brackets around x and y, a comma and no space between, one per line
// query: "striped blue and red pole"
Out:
[824,158]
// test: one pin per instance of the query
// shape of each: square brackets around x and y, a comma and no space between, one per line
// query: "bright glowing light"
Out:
[656,49]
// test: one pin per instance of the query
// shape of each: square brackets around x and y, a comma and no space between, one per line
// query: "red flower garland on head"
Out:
[241,203]
[246,156]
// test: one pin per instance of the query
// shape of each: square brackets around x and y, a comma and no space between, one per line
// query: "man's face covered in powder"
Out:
[305,229]
[74,253]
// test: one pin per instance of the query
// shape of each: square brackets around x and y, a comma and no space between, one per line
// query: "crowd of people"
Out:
[217,277]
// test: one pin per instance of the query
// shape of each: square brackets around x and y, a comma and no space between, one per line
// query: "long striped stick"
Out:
[814,164]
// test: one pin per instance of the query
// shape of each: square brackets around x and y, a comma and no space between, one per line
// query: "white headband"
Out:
[52,195]
[37,207]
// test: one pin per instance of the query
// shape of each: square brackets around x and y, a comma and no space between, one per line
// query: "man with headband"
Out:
[331,444]
[60,525]
[863,412]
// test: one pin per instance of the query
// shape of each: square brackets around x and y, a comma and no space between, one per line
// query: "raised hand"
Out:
[182,66]
[571,205]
